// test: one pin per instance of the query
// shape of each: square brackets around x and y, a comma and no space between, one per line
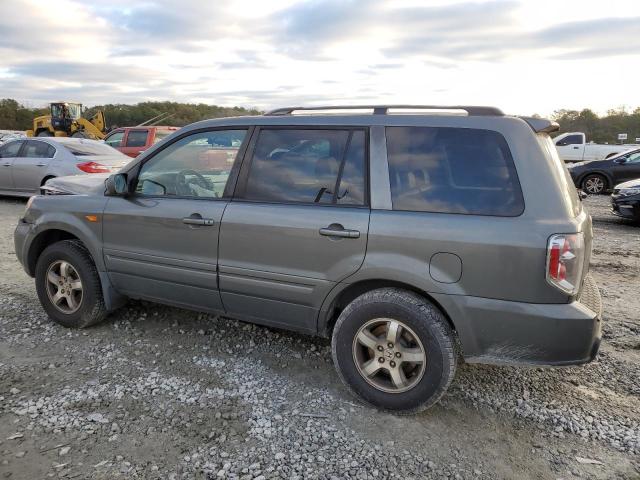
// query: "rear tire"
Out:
[378,369]
[79,134]
[594,184]
[68,285]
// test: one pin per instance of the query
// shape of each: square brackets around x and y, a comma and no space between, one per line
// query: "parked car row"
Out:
[27,164]
[620,174]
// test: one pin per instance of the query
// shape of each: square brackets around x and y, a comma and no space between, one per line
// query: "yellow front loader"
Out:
[66,120]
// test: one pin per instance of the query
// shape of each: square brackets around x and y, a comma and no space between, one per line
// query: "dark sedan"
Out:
[601,175]
[625,200]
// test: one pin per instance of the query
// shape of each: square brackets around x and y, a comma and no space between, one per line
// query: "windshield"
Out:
[93,148]
[74,110]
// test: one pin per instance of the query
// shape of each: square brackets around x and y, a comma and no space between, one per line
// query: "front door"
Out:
[30,167]
[161,242]
[8,153]
[297,225]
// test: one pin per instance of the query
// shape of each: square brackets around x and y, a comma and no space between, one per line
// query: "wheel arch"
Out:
[337,300]
[42,241]
[607,176]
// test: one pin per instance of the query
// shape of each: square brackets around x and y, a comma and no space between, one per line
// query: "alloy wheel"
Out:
[594,185]
[389,355]
[64,286]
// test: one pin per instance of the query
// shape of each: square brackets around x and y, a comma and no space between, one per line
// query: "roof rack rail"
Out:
[384,109]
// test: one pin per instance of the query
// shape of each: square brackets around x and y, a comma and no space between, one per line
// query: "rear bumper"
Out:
[513,333]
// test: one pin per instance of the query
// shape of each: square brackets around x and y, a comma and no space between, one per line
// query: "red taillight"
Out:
[565,255]
[93,167]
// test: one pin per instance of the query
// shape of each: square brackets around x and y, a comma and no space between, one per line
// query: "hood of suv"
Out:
[76,185]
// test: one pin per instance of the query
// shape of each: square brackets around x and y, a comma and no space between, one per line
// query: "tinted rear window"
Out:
[452,170]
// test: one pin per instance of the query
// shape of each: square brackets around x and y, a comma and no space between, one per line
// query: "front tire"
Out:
[44,133]
[68,285]
[594,184]
[394,350]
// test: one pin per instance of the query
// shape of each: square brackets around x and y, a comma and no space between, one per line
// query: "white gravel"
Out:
[157,392]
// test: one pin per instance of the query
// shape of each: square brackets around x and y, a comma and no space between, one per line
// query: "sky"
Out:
[523,56]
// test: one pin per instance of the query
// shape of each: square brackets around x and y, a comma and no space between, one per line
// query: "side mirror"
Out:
[621,160]
[116,185]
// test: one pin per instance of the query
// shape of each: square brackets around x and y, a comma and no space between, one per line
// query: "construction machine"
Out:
[66,120]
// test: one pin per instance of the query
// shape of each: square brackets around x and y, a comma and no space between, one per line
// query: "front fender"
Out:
[66,213]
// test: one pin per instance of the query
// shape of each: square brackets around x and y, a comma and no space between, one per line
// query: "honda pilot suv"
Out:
[413,237]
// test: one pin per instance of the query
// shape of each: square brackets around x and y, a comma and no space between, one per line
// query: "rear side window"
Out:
[570,140]
[452,170]
[308,166]
[115,139]
[136,138]
[36,149]
[10,150]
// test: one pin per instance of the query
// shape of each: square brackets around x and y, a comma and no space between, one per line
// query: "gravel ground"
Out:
[157,392]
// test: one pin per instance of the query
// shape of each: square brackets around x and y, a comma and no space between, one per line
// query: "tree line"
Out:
[14,116]
[603,129]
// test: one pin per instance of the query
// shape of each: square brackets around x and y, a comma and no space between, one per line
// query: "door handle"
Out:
[6,164]
[337,230]
[576,148]
[41,164]
[204,222]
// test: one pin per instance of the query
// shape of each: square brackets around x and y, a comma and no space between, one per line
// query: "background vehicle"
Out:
[625,200]
[10,135]
[600,176]
[25,165]
[66,120]
[573,147]
[132,141]
[354,226]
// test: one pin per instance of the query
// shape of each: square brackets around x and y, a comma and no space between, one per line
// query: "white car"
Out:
[573,147]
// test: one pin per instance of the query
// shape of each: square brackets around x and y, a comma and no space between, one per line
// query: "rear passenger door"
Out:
[297,224]
[30,167]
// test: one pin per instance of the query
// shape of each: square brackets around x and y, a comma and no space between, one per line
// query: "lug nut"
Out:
[390,345]
[392,363]
[398,354]
[381,359]
[380,348]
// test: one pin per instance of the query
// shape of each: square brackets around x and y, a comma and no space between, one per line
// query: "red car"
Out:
[133,141]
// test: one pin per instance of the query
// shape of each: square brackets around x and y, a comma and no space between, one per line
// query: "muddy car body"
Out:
[408,238]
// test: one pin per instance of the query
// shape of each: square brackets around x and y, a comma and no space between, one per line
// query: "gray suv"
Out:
[411,236]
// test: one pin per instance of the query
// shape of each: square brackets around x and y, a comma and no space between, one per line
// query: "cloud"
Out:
[309,52]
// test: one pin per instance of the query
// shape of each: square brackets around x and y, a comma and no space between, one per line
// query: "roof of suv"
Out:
[366,115]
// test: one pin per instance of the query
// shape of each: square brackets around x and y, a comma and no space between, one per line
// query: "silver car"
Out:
[26,164]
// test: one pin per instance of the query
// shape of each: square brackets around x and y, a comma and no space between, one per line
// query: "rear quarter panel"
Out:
[502,257]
